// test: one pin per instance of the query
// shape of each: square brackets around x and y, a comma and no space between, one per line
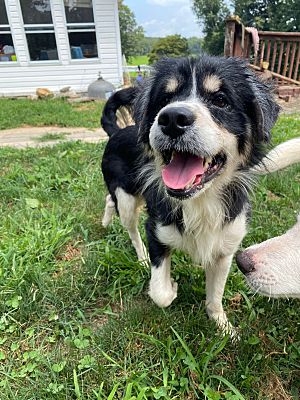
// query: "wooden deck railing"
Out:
[280,50]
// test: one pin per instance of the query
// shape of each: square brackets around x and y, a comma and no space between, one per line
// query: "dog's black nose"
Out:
[174,120]
[245,262]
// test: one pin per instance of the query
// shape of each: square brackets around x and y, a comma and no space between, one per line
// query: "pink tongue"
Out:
[181,170]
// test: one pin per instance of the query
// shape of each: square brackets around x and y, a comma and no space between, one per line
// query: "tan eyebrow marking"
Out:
[212,83]
[172,85]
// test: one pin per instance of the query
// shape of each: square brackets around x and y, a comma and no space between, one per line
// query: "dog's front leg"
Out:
[162,288]
[216,276]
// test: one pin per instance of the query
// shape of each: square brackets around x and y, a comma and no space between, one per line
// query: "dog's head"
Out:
[203,120]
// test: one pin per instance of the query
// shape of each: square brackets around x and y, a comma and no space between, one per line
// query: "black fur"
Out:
[121,158]
[236,200]
[157,250]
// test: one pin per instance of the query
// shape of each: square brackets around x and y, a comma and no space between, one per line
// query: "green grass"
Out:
[75,319]
[138,60]
[15,113]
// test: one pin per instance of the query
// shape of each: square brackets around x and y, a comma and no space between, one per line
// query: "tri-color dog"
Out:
[202,126]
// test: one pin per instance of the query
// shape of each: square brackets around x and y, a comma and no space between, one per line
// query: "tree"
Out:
[212,15]
[170,46]
[278,15]
[268,15]
[147,45]
[132,34]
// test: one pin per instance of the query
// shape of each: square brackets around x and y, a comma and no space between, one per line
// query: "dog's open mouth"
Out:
[186,173]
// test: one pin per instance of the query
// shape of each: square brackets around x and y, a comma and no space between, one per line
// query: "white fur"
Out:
[216,277]
[128,207]
[281,156]
[277,265]
[204,242]
[162,288]
[109,211]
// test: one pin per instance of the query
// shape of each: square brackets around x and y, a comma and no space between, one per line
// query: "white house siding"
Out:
[24,77]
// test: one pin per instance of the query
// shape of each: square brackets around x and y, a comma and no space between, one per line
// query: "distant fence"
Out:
[278,51]
[130,73]
[130,68]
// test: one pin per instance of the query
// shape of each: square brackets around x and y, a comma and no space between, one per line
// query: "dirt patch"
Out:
[274,389]
[71,253]
[31,136]
[272,196]
[291,106]
[84,107]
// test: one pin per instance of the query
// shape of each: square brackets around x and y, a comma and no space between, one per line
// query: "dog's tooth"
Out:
[191,183]
[207,162]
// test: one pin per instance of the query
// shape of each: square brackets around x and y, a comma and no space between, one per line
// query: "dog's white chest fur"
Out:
[204,238]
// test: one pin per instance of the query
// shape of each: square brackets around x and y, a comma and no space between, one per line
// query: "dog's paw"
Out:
[163,295]
[223,324]
[226,327]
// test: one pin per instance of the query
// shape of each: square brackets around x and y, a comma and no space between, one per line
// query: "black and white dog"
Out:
[202,126]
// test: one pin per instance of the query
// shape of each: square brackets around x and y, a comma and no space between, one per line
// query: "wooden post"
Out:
[229,38]
[247,45]
[274,55]
[280,58]
[292,59]
[262,52]
[268,51]
[297,64]
[286,58]
[239,39]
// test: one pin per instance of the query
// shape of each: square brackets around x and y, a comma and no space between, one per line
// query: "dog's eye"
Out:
[220,100]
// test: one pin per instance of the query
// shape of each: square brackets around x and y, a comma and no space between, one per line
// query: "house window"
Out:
[39,29]
[7,49]
[81,28]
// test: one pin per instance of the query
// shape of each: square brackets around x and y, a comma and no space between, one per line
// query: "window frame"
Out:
[31,29]
[8,32]
[82,24]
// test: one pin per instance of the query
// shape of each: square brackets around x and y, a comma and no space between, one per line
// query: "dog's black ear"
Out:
[263,109]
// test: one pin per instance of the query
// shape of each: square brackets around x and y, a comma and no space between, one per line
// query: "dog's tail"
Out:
[282,156]
[117,111]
